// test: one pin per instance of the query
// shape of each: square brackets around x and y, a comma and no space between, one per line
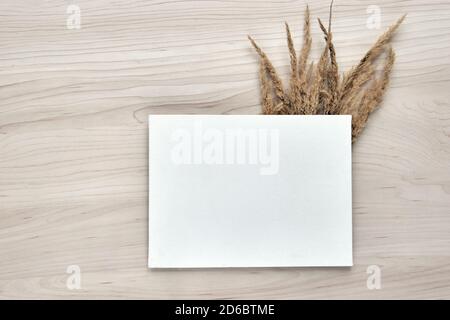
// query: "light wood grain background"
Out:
[73,142]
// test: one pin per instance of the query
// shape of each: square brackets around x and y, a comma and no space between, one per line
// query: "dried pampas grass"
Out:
[319,88]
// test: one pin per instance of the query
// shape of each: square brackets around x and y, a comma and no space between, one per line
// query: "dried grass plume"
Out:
[319,88]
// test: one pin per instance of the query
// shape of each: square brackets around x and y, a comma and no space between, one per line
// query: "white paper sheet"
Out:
[249,191]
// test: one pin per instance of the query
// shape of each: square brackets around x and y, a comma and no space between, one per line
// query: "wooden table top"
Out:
[73,142]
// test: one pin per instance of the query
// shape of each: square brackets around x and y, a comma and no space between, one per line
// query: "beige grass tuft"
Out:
[319,88]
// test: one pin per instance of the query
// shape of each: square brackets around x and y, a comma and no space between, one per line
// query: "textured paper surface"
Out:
[282,198]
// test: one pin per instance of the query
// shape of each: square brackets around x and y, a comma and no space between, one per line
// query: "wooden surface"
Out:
[73,143]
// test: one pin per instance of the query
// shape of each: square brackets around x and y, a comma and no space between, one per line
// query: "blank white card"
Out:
[249,191]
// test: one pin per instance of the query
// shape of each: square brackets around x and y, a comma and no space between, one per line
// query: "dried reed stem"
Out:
[368,58]
[373,96]
[294,93]
[318,99]
[306,48]
[302,62]
[276,80]
[266,90]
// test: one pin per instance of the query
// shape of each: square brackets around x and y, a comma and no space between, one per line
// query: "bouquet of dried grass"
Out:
[319,88]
